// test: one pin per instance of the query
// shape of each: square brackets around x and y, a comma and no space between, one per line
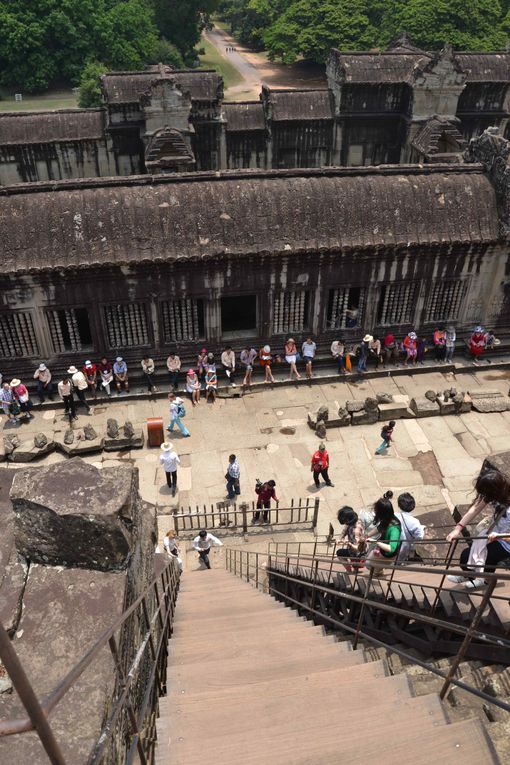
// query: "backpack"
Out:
[384,432]
[181,411]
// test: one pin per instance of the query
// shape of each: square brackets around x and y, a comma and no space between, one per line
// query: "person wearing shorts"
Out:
[309,349]
[291,358]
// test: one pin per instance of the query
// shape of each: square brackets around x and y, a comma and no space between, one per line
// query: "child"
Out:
[386,435]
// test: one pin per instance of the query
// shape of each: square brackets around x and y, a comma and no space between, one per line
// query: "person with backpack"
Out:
[177,412]
[386,435]
[265,493]
[320,465]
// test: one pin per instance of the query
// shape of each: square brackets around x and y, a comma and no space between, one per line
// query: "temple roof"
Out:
[299,104]
[485,67]
[427,140]
[51,126]
[127,87]
[167,218]
[244,115]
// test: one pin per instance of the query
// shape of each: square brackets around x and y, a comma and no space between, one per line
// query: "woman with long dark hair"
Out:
[492,488]
[388,530]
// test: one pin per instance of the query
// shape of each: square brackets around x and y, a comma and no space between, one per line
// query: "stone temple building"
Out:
[161,262]
[398,106]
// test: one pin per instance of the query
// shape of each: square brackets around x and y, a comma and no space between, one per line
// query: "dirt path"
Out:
[256,70]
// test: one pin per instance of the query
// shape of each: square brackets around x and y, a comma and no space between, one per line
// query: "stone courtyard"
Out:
[434,458]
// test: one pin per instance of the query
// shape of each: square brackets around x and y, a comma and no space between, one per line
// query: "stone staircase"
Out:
[249,681]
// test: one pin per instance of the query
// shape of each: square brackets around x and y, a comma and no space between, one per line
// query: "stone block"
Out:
[424,407]
[495,403]
[395,411]
[447,407]
[73,514]
[354,406]
[27,451]
[79,445]
[312,421]
[499,462]
[365,418]
[467,404]
[124,442]
[384,398]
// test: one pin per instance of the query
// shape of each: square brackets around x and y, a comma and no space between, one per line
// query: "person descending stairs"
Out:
[251,682]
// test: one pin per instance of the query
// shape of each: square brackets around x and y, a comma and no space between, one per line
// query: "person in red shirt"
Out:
[390,349]
[265,493]
[320,465]
[90,372]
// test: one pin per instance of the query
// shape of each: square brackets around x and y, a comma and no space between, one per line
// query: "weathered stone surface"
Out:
[73,514]
[122,442]
[128,429]
[69,436]
[40,440]
[431,395]
[312,420]
[89,433]
[499,462]
[370,404]
[447,406]
[11,442]
[496,402]
[27,451]
[364,417]
[397,410]
[320,430]
[354,406]
[3,455]
[322,414]
[384,398]
[344,418]
[12,572]
[112,428]
[79,445]
[424,407]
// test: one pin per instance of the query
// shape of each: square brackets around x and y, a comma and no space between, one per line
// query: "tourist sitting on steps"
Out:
[120,372]
[388,530]
[411,527]
[202,544]
[493,546]
[352,546]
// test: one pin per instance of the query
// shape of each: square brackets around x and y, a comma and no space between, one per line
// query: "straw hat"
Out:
[72,370]
[119,359]
[190,372]
[166,447]
[368,339]
[14,383]
[42,367]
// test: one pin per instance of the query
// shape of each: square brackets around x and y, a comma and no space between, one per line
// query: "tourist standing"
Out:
[173,364]
[106,373]
[170,462]
[308,350]
[65,391]
[148,369]
[44,385]
[193,386]
[387,437]
[90,372]
[120,372]
[265,493]
[202,544]
[80,385]
[450,338]
[171,549]
[233,476]
[247,358]
[228,360]
[411,348]
[10,406]
[320,466]
[337,351]
[211,381]
[21,395]
[177,412]
[439,338]
[411,528]
[374,348]
[364,349]
[265,361]
[291,358]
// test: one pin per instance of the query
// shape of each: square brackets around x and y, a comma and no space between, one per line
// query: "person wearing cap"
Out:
[193,386]
[148,368]
[80,385]
[309,349]
[120,373]
[320,466]
[173,364]
[176,412]
[265,361]
[450,338]
[211,379]
[265,493]
[90,371]
[170,462]
[20,393]
[364,349]
[228,360]
[66,393]
[477,343]
[247,358]
[106,372]
[291,358]
[201,363]
[44,385]
[202,544]
[410,345]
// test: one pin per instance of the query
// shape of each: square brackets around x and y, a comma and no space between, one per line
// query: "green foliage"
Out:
[309,28]
[181,22]
[90,88]
[167,53]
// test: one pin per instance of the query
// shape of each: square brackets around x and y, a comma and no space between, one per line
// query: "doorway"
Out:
[239,316]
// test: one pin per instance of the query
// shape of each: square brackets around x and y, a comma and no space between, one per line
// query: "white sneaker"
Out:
[474,584]
[456,579]
[233,385]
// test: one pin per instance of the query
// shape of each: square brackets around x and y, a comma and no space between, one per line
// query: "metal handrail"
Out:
[233,554]
[162,590]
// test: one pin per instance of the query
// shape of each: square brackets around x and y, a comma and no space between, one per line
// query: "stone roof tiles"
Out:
[204,215]
[485,67]
[51,126]
[127,87]
[244,116]
[299,105]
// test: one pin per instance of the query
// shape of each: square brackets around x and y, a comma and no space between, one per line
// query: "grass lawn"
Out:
[56,99]
[212,59]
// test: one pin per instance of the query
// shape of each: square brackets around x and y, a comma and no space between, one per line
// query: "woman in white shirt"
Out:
[170,545]
[492,488]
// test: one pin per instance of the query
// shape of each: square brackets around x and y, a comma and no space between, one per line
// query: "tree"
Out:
[90,85]
[181,22]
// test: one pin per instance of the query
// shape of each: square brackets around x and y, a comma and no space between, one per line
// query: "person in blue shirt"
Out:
[120,374]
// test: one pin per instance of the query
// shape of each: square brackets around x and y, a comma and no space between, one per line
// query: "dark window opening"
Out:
[239,315]
[70,329]
[345,307]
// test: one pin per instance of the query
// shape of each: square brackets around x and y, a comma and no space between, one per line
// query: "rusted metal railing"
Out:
[133,723]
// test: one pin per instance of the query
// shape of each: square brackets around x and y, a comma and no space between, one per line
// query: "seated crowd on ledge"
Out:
[382,535]
[349,357]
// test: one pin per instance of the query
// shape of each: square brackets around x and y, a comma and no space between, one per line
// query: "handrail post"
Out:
[245,517]
[256,570]
[449,558]
[247,566]
[28,698]
[315,513]
[314,588]
[468,636]
[362,610]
